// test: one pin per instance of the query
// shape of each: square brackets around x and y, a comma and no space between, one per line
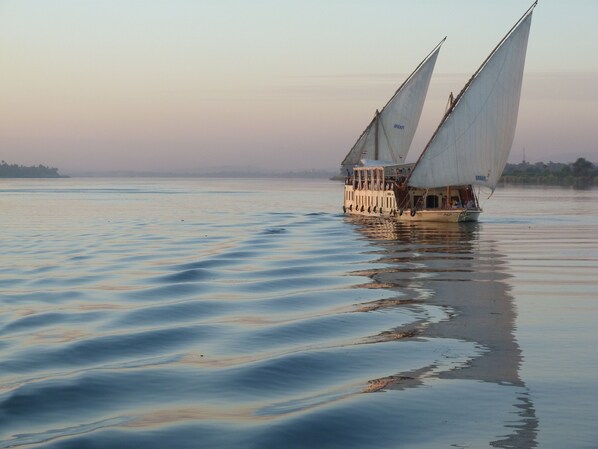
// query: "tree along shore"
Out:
[581,173]
[21,171]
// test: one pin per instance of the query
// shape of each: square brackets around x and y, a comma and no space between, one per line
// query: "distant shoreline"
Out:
[580,173]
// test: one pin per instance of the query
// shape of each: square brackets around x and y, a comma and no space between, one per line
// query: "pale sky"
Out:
[184,85]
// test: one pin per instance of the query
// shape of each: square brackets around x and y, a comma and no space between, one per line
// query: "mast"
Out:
[376,151]
[449,102]
[453,105]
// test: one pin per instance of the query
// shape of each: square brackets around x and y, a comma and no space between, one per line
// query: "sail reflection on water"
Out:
[456,267]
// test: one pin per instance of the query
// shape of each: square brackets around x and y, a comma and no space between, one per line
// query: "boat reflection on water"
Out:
[457,267]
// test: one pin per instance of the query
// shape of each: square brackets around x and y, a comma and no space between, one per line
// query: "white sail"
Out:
[389,135]
[473,142]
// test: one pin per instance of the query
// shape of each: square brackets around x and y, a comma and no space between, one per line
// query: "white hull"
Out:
[438,216]
[382,204]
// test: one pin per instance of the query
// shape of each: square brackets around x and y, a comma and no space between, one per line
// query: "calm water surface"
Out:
[174,313]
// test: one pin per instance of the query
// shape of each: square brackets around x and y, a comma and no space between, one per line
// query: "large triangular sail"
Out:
[474,139]
[389,135]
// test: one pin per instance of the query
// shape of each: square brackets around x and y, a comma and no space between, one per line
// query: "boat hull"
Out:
[438,216]
[440,205]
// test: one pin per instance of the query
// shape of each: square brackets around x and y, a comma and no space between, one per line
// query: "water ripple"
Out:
[132,321]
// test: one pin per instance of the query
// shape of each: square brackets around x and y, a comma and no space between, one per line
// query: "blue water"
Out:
[186,313]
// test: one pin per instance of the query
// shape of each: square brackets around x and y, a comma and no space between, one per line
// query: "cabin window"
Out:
[431,202]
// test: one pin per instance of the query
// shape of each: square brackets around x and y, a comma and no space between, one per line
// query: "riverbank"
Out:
[568,181]
[581,173]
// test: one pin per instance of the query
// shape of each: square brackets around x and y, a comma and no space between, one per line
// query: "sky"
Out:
[183,85]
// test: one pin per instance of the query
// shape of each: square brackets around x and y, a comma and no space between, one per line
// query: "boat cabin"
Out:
[383,190]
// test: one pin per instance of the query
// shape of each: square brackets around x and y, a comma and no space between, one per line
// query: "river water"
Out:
[192,313]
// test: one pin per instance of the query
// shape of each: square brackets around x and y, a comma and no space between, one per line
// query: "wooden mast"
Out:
[376,135]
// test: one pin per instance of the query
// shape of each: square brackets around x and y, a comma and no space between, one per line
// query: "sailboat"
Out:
[468,150]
